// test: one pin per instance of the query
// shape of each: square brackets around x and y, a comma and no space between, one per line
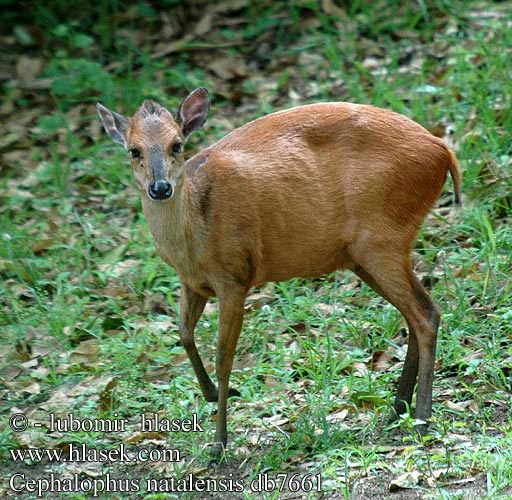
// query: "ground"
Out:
[88,312]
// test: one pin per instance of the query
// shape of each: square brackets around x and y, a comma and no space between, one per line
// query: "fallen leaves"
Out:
[258,299]
[405,480]
[231,68]
[28,68]
[85,353]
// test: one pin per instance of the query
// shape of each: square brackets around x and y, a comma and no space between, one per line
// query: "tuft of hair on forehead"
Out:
[150,108]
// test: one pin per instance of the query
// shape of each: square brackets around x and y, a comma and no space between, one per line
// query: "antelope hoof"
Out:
[214,397]
[216,453]
[421,428]
[234,393]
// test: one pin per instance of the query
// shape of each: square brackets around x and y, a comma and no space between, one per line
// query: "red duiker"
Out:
[301,192]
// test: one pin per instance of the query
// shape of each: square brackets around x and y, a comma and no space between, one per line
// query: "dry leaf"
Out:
[34,388]
[205,23]
[459,407]
[120,268]
[86,352]
[59,402]
[105,387]
[31,363]
[337,416]
[271,382]
[247,360]
[9,373]
[40,372]
[360,369]
[327,309]
[276,420]
[406,480]
[163,468]
[28,68]
[109,292]
[162,374]
[40,246]
[86,468]
[257,300]
[382,360]
[178,359]
[331,9]
[228,68]
[43,348]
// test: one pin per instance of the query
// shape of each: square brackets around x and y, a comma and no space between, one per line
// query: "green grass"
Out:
[88,312]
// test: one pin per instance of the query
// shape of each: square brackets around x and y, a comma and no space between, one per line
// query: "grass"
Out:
[88,311]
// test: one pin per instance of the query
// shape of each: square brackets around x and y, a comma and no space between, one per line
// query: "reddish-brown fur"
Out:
[301,192]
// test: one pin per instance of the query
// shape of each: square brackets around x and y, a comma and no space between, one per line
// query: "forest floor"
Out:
[88,312]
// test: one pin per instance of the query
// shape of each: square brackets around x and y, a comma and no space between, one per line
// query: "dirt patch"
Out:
[377,488]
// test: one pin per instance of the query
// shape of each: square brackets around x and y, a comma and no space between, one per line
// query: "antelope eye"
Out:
[134,153]
[176,147]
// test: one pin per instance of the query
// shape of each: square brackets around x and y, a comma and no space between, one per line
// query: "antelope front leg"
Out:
[191,306]
[231,311]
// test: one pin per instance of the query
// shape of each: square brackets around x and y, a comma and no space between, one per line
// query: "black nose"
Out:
[160,190]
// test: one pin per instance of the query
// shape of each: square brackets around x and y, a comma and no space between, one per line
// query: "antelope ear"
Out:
[115,125]
[193,111]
